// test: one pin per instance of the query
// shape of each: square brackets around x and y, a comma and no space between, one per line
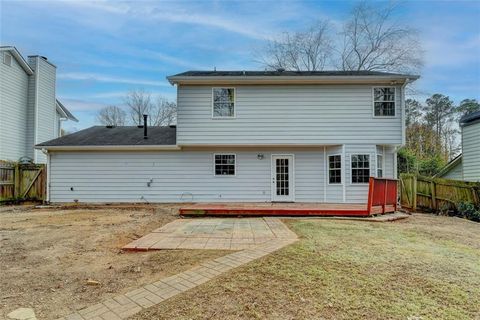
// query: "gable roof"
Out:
[21,61]
[64,111]
[470,118]
[100,137]
[280,76]
[449,166]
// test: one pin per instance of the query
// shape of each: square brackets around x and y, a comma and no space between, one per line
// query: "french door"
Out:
[283,178]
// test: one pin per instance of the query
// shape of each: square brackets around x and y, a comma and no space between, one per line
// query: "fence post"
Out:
[433,187]
[16,186]
[414,193]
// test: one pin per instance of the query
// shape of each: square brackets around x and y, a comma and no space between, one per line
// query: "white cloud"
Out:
[76,105]
[94,77]
[161,12]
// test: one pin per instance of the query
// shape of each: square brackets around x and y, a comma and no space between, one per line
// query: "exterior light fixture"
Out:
[260,156]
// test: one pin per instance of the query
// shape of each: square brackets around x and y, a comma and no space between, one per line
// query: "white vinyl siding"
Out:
[13,110]
[176,176]
[471,152]
[287,114]
[46,106]
[455,173]
[186,176]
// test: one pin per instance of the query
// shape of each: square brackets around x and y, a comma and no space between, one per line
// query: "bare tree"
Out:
[111,116]
[163,112]
[372,41]
[139,103]
[307,50]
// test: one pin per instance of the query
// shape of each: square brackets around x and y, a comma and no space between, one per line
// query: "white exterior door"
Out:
[283,178]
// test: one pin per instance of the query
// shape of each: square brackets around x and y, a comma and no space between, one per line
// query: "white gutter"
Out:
[402,106]
[111,148]
[284,79]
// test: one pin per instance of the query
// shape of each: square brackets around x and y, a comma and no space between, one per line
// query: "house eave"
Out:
[274,80]
[14,52]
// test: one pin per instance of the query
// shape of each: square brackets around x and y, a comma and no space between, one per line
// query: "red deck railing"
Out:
[382,195]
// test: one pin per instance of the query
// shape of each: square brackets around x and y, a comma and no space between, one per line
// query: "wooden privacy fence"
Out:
[435,194]
[20,182]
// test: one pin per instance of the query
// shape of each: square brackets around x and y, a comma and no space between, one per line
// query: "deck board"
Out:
[279,209]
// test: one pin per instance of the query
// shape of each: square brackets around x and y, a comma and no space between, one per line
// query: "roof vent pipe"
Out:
[145,116]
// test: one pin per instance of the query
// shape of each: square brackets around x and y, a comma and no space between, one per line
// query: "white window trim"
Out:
[382,165]
[394,102]
[341,169]
[224,175]
[234,104]
[369,168]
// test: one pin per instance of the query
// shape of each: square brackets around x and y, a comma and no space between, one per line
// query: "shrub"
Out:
[467,210]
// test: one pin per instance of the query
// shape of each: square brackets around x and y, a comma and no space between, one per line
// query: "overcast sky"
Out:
[104,49]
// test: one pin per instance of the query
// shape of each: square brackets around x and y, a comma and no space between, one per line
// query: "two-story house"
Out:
[29,110]
[466,166]
[244,136]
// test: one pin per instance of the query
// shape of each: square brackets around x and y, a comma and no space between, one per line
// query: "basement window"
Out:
[384,102]
[224,164]
[360,168]
[223,105]
[7,59]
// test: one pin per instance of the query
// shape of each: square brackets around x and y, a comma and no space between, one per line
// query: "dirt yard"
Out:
[47,256]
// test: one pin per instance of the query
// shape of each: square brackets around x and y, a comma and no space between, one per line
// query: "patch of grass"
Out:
[426,267]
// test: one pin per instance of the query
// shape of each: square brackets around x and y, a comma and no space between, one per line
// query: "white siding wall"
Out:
[471,152]
[455,173]
[45,112]
[13,110]
[306,114]
[188,176]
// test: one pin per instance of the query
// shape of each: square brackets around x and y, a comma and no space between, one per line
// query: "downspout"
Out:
[325,174]
[402,107]
[47,198]
[344,175]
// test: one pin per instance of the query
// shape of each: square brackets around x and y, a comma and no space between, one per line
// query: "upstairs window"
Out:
[223,103]
[224,164]
[360,168]
[335,169]
[7,59]
[384,102]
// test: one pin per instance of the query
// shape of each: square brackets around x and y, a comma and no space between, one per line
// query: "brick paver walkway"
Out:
[276,236]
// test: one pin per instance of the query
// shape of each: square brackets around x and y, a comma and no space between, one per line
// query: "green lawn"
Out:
[425,267]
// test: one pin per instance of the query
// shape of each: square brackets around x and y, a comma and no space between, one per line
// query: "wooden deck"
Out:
[282,209]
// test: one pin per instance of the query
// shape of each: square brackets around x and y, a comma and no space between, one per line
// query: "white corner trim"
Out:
[344,176]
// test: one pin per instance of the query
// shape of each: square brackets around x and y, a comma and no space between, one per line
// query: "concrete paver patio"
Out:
[257,237]
[219,234]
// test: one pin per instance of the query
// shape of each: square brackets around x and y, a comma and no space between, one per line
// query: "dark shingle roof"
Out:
[471,117]
[116,136]
[282,73]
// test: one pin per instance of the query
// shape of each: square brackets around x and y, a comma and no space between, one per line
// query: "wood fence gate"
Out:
[435,194]
[19,182]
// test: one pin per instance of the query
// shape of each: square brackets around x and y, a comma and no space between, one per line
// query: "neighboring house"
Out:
[466,166]
[244,136]
[29,110]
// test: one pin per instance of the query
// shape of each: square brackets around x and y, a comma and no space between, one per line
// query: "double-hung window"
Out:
[335,169]
[224,164]
[384,101]
[379,165]
[223,104]
[360,168]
